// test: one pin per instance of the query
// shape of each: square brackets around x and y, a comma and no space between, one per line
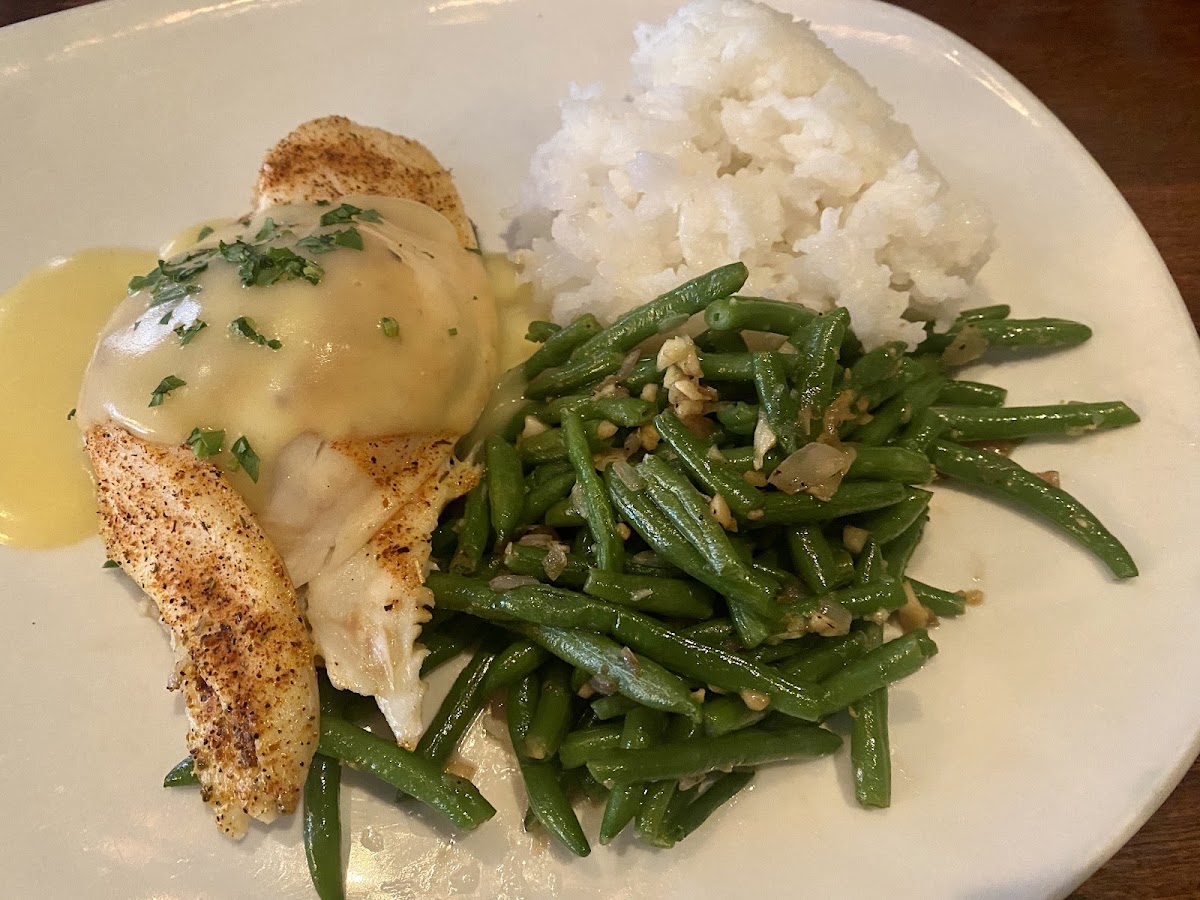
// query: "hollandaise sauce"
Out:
[48,326]
[359,319]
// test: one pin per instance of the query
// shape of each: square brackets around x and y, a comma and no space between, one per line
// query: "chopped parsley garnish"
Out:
[165,387]
[389,326]
[474,250]
[71,414]
[166,317]
[244,326]
[324,243]
[205,443]
[173,279]
[453,332]
[186,334]
[204,232]
[322,202]
[346,212]
[111,564]
[258,267]
[268,230]
[246,457]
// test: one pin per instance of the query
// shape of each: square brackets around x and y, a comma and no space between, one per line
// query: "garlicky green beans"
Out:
[670,309]
[414,775]
[659,610]
[999,475]
[700,756]
[1012,422]
[323,827]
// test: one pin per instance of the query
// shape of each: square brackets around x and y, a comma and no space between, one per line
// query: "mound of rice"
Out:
[745,138]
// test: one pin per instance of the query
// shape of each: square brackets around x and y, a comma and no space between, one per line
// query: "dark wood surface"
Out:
[1124,75]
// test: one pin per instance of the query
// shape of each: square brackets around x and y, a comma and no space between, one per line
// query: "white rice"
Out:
[744,137]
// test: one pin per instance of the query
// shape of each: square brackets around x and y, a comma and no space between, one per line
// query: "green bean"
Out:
[739,418]
[642,729]
[552,717]
[687,819]
[870,752]
[610,549]
[563,514]
[449,642]
[871,567]
[1014,422]
[612,707]
[638,679]
[644,372]
[654,643]
[1013,334]
[505,487]
[458,710]
[1001,476]
[473,532]
[739,367]
[978,313]
[524,559]
[182,774]
[543,495]
[723,715]
[830,656]
[748,593]
[416,776]
[651,818]
[539,331]
[939,602]
[925,428]
[888,524]
[699,756]
[812,557]
[886,421]
[628,412]
[651,593]
[543,781]
[551,445]
[852,497]
[556,349]
[578,746]
[970,393]
[899,550]
[780,407]
[819,342]
[756,314]
[519,659]
[575,374]
[859,600]
[664,312]
[881,364]
[879,667]
[323,827]
[717,477]
[720,341]
[889,464]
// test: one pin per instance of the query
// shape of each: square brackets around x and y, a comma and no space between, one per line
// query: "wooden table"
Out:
[1124,75]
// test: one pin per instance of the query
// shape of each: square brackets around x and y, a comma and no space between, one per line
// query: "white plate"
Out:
[1055,719]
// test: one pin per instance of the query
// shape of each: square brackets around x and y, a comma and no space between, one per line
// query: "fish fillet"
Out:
[354,522]
[188,539]
[350,520]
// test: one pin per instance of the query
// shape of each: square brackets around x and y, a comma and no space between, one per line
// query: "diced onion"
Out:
[815,468]
[831,620]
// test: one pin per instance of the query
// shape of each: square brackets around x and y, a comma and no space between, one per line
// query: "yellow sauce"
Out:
[46,494]
[336,373]
[48,326]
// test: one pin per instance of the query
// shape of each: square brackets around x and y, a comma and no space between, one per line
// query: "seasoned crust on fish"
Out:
[333,157]
[188,539]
